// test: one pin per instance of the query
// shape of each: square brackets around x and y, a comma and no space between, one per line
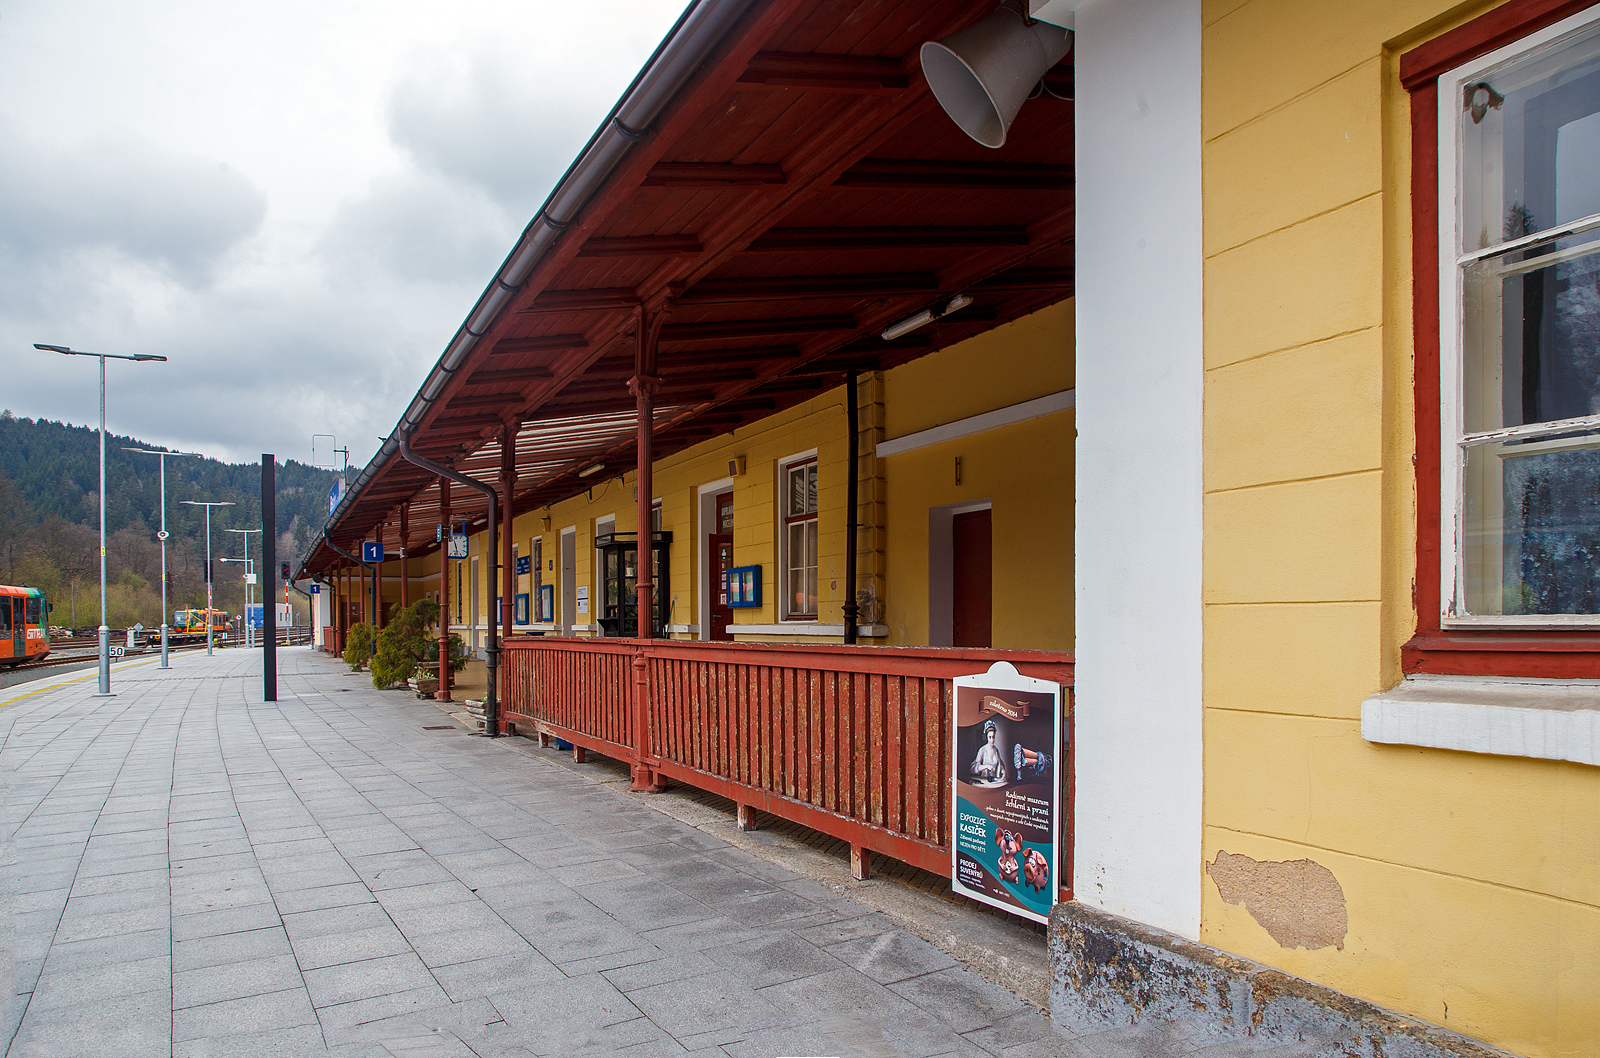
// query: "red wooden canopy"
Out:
[777,186]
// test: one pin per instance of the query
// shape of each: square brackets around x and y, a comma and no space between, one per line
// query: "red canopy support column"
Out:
[443,693]
[405,555]
[644,385]
[508,575]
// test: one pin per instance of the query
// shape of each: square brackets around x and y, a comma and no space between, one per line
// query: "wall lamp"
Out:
[956,303]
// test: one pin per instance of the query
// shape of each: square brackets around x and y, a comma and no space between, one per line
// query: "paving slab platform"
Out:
[189,871]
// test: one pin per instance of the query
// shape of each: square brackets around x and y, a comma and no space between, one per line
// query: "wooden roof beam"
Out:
[642,246]
[709,357]
[499,376]
[789,240]
[825,73]
[545,343]
[713,330]
[978,176]
[1027,279]
[602,299]
[713,174]
[508,400]
[462,422]
[779,288]
[608,407]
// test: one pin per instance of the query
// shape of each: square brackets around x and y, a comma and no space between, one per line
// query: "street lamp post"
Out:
[105,630]
[162,536]
[248,638]
[208,505]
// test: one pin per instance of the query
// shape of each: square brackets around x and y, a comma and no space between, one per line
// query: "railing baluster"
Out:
[849,740]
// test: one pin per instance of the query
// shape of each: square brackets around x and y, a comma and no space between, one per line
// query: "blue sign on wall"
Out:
[742,585]
[316,589]
[524,564]
[372,551]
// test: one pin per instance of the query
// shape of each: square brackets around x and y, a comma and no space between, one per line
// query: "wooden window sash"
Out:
[1498,651]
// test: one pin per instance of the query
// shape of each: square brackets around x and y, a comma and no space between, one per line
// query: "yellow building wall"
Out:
[1026,469]
[1471,884]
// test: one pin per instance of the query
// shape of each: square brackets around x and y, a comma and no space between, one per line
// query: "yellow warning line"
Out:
[68,683]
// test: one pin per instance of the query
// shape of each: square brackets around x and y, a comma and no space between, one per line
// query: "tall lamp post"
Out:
[248,639]
[208,505]
[105,630]
[162,536]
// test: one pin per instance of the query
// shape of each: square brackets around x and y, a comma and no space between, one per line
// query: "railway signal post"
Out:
[162,536]
[208,505]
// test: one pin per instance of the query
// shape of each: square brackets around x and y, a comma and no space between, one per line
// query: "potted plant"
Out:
[403,643]
[358,646]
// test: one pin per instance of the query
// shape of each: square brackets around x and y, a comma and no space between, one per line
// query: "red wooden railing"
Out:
[851,741]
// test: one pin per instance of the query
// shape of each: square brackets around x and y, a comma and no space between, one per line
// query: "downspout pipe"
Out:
[491,707]
[312,606]
[852,504]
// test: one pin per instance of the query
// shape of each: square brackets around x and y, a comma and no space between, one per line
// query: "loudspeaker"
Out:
[981,75]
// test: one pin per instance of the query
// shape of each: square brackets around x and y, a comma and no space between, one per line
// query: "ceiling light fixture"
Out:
[956,303]
[586,471]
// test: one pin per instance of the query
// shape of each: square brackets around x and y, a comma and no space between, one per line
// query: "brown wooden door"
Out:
[972,604]
[721,550]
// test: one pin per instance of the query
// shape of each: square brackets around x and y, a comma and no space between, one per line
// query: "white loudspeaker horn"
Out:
[981,75]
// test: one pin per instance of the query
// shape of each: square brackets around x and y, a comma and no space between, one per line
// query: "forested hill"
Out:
[49,489]
[56,470]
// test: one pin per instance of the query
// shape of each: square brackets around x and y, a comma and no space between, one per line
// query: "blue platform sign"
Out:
[524,565]
[254,616]
[372,550]
[316,589]
[335,494]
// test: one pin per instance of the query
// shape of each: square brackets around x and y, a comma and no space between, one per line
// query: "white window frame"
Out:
[1452,332]
[781,575]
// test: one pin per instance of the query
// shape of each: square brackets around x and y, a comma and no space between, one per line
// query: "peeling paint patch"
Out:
[1298,902]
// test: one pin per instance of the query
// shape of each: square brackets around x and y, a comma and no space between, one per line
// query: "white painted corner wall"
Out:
[1138,511]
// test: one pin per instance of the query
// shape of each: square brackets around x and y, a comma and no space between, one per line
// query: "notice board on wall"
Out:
[1005,843]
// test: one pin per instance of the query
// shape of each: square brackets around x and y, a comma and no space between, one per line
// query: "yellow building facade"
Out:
[969,449]
[1205,474]
[1470,882]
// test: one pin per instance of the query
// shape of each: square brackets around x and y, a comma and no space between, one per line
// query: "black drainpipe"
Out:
[851,503]
[491,707]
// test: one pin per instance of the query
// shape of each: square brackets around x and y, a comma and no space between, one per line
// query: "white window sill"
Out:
[1542,719]
[807,628]
[691,630]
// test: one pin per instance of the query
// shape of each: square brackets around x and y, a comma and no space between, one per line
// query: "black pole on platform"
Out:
[852,609]
[269,563]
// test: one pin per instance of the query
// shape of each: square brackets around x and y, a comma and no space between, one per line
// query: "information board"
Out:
[1006,746]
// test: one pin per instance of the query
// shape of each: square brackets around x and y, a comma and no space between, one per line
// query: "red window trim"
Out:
[792,519]
[1497,652]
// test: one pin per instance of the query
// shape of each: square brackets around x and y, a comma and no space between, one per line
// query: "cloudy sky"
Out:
[296,201]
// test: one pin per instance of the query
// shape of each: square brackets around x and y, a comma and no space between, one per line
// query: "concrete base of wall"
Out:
[1113,973]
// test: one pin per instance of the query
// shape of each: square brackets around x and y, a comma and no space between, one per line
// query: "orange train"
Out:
[24,625]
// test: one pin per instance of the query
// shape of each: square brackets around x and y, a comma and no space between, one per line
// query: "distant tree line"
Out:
[49,523]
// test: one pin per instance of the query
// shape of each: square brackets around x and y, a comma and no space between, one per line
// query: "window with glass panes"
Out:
[800,540]
[1519,132]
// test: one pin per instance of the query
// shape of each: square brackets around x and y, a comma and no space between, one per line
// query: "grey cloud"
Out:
[488,125]
[174,211]
[420,227]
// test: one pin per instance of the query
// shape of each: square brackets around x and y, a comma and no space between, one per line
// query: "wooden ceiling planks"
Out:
[802,191]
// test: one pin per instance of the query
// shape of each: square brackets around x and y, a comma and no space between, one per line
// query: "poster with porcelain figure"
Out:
[1006,842]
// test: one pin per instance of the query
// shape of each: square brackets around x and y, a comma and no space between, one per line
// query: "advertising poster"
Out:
[1007,819]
